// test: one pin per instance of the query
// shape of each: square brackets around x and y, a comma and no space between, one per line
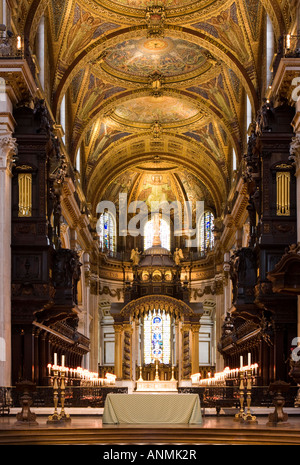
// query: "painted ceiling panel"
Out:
[182,65]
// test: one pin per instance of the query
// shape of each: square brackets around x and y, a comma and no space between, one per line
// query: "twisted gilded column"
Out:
[8,150]
[186,353]
[127,353]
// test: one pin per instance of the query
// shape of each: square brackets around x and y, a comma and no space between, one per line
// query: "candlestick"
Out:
[63,415]
[239,416]
[141,377]
[172,379]
[54,418]
[248,417]
[156,371]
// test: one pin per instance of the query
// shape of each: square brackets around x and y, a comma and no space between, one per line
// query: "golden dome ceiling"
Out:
[158,89]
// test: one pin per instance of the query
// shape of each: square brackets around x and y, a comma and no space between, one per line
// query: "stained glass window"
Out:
[164,234]
[206,231]
[157,337]
[107,232]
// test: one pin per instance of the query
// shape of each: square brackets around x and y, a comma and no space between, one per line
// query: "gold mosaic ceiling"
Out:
[155,89]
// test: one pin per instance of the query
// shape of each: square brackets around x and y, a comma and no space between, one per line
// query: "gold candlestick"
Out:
[172,379]
[54,418]
[156,370]
[63,415]
[239,416]
[141,377]
[247,416]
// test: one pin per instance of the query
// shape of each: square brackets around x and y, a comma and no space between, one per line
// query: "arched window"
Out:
[107,232]
[157,337]
[164,234]
[206,234]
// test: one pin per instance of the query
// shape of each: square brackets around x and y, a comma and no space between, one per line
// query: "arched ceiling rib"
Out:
[101,58]
[93,52]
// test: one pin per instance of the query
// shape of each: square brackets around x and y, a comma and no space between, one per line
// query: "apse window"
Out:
[157,337]
[206,231]
[107,232]
[164,234]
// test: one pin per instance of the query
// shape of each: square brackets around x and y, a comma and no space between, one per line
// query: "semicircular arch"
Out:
[198,37]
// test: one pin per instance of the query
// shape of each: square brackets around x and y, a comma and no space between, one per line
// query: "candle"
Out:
[241,361]
[63,361]
[55,359]
[249,359]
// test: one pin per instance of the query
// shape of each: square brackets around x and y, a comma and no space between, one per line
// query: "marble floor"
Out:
[95,421]
[87,429]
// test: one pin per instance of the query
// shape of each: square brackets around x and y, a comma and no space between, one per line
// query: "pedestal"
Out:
[26,417]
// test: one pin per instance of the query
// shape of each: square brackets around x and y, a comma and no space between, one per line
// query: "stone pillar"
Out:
[195,348]
[8,150]
[118,350]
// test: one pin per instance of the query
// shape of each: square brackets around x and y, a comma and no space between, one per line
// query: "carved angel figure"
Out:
[135,256]
[178,255]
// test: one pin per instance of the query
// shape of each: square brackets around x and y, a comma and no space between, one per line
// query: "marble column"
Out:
[8,150]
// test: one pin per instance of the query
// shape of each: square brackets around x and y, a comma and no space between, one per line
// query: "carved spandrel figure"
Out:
[66,269]
[135,256]
[42,115]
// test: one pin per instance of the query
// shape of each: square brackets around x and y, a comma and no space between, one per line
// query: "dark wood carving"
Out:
[256,271]
[44,275]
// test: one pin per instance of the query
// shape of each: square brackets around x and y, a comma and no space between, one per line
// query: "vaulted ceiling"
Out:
[104,59]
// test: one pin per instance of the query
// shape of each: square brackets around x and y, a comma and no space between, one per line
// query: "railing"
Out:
[75,396]
[288,47]
[228,396]
[216,397]
[11,47]
[125,256]
[291,46]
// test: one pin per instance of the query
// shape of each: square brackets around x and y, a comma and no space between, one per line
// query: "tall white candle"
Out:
[55,359]
[249,359]
[241,361]
[63,361]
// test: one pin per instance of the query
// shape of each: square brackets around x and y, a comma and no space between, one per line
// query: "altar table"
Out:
[152,409]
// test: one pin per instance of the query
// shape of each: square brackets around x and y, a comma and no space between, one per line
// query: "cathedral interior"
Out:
[149,201]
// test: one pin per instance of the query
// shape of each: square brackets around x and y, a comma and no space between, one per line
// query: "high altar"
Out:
[156,328]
